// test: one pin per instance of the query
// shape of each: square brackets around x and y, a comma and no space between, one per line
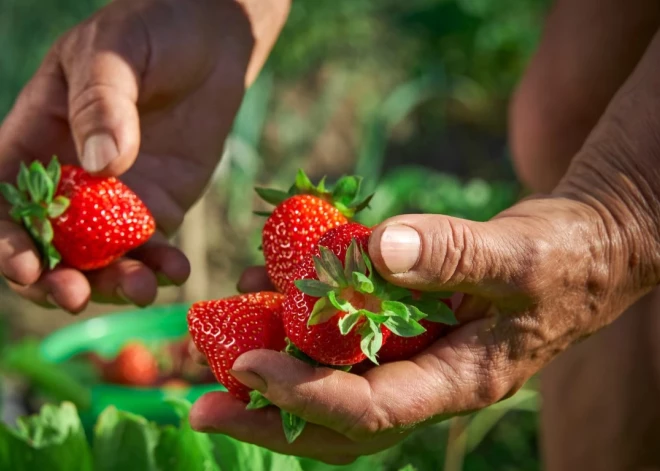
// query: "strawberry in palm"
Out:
[301,216]
[339,313]
[224,329]
[84,221]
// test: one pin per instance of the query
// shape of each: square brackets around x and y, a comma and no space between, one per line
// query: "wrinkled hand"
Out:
[150,85]
[538,277]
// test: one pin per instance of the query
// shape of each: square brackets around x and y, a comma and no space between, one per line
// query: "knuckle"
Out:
[371,423]
[90,103]
[452,250]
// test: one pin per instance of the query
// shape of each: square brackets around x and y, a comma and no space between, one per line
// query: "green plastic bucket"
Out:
[105,335]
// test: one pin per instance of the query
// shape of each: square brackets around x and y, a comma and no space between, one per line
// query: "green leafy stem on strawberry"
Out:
[345,195]
[34,203]
[368,300]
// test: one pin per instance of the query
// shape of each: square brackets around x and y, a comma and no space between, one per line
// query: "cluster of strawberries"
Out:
[330,307]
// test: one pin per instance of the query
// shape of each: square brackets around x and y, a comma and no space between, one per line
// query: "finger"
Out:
[102,61]
[170,265]
[465,371]
[219,412]
[19,260]
[124,281]
[433,252]
[254,279]
[588,49]
[62,287]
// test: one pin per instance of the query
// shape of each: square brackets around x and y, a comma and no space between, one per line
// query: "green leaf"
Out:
[331,265]
[54,171]
[397,309]
[59,205]
[124,441]
[346,190]
[403,328]
[52,256]
[340,303]
[321,185]
[357,207]
[370,345]
[322,312]
[362,283]
[23,180]
[348,322]
[40,187]
[181,448]
[303,183]
[257,401]
[54,440]
[351,260]
[46,233]
[265,214]
[315,288]
[274,197]
[378,318]
[293,426]
[441,313]
[11,194]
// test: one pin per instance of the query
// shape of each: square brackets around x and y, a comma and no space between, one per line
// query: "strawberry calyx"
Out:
[344,195]
[368,301]
[34,203]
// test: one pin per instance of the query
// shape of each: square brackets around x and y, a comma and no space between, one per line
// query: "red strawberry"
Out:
[302,215]
[224,329]
[339,313]
[135,365]
[86,222]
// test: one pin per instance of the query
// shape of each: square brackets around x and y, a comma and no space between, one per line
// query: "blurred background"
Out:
[411,95]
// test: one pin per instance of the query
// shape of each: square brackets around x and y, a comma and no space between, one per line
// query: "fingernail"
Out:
[250,379]
[121,295]
[98,152]
[400,247]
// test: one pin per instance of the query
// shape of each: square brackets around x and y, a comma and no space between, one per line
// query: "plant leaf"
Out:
[265,214]
[441,313]
[54,171]
[59,205]
[181,448]
[11,194]
[378,318]
[303,183]
[257,401]
[348,322]
[350,261]
[346,190]
[340,303]
[333,266]
[403,328]
[322,312]
[52,256]
[124,441]
[362,283]
[274,197]
[315,288]
[53,440]
[397,309]
[371,344]
[293,425]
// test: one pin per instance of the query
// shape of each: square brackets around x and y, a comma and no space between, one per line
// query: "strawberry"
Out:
[301,216]
[135,365]
[84,221]
[224,329]
[340,313]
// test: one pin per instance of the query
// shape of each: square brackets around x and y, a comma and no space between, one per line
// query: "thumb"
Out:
[102,76]
[436,253]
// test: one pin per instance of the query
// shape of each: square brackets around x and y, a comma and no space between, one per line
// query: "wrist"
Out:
[620,183]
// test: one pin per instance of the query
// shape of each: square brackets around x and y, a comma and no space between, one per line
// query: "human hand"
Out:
[147,90]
